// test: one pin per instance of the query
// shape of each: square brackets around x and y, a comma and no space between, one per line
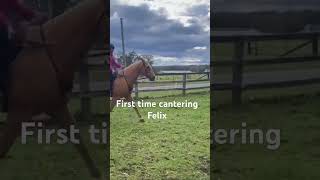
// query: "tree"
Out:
[149,58]
[131,56]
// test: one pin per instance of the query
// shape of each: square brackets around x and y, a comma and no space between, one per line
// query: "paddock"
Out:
[277,88]
[173,148]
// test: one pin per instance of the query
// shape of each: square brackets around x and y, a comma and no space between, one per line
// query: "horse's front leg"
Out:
[129,98]
[12,129]
[65,117]
[113,103]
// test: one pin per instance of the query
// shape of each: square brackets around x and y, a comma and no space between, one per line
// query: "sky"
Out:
[173,32]
[264,5]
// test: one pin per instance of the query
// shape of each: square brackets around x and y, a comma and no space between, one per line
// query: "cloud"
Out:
[168,61]
[200,48]
[152,31]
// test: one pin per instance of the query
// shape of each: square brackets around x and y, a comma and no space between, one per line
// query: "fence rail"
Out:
[183,87]
[238,84]
[86,89]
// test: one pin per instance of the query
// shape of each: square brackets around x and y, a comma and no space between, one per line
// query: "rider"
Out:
[13,17]
[115,66]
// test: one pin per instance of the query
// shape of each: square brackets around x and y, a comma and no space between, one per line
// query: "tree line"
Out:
[269,21]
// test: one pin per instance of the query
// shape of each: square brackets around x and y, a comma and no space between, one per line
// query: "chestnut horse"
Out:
[123,85]
[41,77]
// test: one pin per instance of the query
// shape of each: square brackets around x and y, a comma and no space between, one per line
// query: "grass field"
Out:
[295,113]
[174,148]
[52,162]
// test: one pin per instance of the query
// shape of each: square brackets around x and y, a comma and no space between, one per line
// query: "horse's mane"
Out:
[138,58]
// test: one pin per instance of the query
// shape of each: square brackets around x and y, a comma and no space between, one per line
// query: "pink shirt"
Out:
[114,64]
[9,6]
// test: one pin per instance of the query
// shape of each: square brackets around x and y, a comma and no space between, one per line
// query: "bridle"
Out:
[144,66]
[125,77]
[51,58]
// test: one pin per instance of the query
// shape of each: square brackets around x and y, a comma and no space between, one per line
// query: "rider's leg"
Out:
[112,78]
[4,45]
[8,52]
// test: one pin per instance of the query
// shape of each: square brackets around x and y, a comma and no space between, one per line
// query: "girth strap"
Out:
[54,65]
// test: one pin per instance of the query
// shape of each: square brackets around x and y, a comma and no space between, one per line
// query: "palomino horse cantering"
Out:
[40,78]
[123,85]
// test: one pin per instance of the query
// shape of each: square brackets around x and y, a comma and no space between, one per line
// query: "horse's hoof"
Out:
[96,174]
[6,157]
[141,120]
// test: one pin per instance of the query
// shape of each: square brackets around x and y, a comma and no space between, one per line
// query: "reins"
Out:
[125,77]
[50,56]
[53,63]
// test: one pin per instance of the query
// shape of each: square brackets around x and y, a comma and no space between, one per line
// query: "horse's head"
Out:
[147,69]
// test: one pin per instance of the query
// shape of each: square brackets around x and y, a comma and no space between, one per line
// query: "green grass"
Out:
[174,148]
[52,162]
[295,111]
[296,115]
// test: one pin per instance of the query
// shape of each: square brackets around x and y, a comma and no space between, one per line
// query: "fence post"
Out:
[315,45]
[84,81]
[184,83]
[237,72]
[136,90]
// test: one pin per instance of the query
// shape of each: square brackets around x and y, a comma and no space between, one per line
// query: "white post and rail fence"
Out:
[86,87]
[242,81]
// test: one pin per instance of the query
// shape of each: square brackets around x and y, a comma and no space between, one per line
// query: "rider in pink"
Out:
[115,66]
[7,6]
[14,15]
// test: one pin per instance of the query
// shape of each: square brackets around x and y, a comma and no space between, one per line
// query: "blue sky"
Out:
[174,32]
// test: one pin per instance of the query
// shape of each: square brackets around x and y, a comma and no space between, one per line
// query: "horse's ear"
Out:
[138,58]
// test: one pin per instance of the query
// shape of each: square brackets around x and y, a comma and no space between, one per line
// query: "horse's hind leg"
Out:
[67,120]
[139,115]
[12,130]
[113,103]
[129,98]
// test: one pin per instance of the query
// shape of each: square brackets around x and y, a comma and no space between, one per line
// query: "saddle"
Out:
[121,74]
[9,52]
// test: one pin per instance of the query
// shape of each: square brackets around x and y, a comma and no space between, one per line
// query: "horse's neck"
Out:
[73,33]
[132,72]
